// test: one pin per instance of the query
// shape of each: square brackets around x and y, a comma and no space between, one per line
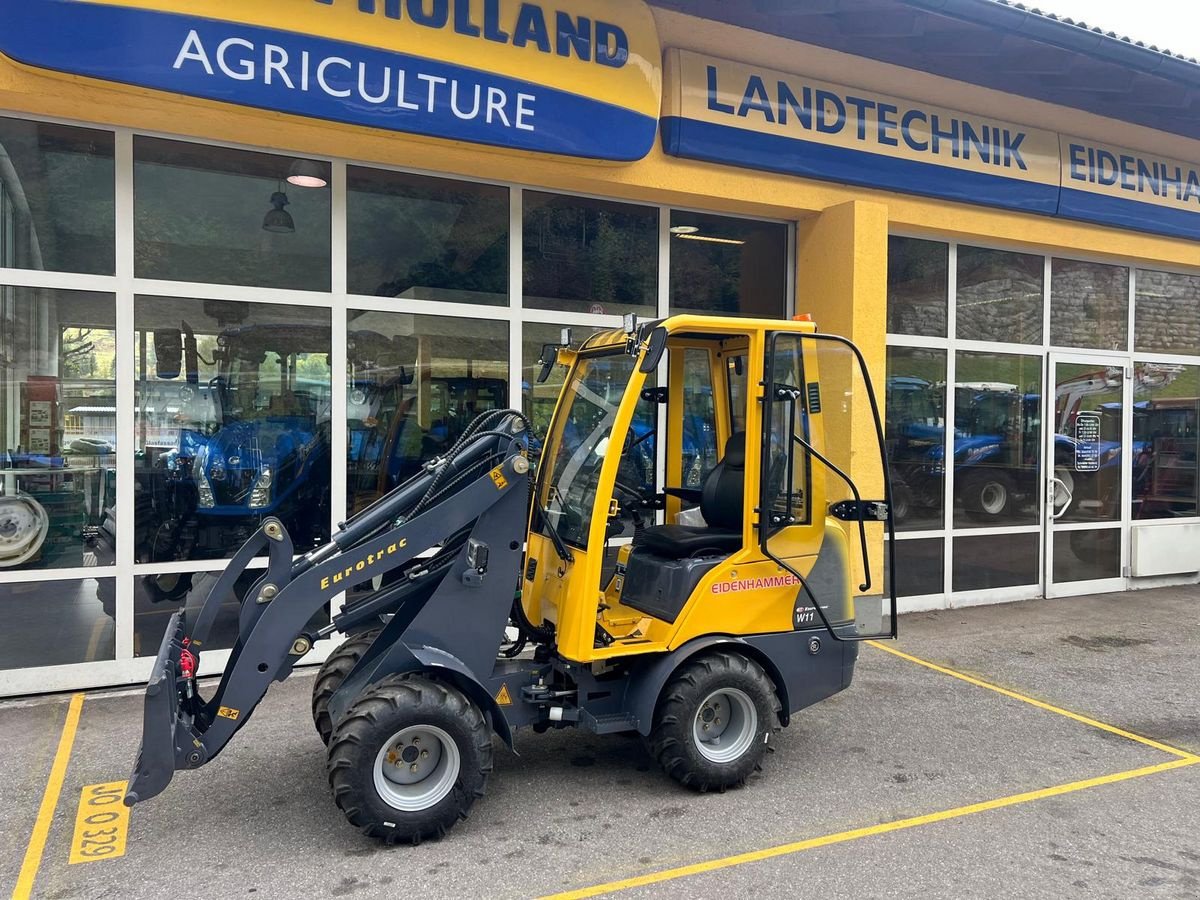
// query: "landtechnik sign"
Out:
[736,113]
[574,77]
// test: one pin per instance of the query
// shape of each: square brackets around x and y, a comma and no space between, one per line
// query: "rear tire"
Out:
[409,760]
[331,675]
[713,721]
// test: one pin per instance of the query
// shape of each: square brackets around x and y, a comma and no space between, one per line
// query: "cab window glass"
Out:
[786,473]
[700,452]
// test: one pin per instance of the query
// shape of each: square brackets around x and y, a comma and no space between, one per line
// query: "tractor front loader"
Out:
[702,618]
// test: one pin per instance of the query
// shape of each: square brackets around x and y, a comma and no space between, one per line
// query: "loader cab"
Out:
[663,450]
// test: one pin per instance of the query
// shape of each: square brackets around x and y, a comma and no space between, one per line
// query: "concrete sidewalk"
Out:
[914,782]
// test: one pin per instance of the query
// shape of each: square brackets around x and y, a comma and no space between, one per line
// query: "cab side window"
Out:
[700,451]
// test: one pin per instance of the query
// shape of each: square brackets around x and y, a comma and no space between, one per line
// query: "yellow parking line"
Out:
[1058,710]
[726,862]
[45,816]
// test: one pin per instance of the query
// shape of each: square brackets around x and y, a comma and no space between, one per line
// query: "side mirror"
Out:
[654,350]
[168,352]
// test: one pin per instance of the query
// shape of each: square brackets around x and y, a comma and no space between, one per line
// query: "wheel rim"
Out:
[416,768]
[725,725]
[23,528]
[993,497]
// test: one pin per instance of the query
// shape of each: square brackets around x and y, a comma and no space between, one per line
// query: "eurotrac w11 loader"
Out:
[734,605]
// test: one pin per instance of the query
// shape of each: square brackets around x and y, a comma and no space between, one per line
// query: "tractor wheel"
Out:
[987,496]
[409,760]
[331,675]
[713,721]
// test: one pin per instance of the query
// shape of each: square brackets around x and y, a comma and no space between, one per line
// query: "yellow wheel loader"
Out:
[493,592]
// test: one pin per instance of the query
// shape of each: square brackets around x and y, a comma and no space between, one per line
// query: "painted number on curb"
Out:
[102,823]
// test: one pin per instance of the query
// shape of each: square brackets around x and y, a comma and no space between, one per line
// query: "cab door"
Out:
[823,484]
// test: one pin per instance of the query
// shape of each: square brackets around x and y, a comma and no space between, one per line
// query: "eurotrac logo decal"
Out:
[573,77]
[726,111]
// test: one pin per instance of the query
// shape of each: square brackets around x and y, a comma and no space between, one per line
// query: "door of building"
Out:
[1088,432]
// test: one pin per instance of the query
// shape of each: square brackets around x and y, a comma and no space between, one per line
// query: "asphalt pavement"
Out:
[1037,749]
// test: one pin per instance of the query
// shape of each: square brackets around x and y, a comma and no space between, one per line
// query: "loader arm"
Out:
[182,730]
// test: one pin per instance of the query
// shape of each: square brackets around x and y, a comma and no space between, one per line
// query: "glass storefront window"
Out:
[232,425]
[997,439]
[414,384]
[918,286]
[985,562]
[58,405]
[57,198]
[916,436]
[920,566]
[1166,313]
[726,266]
[1166,441]
[213,214]
[999,296]
[1089,305]
[56,623]
[538,400]
[590,256]
[422,238]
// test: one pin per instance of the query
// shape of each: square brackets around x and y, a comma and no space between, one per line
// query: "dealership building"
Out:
[264,262]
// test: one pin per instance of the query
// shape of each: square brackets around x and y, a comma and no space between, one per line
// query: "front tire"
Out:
[331,675]
[713,721]
[409,760]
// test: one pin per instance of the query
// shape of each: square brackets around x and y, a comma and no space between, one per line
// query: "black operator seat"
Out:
[722,503]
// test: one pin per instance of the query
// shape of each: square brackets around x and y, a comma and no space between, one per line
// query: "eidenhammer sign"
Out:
[574,77]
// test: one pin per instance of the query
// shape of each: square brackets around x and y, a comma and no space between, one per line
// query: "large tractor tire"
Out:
[987,495]
[331,675]
[409,760]
[713,721]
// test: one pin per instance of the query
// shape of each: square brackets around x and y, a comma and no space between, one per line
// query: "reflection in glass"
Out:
[1166,312]
[995,561]
[918,286]
[57,206]
[920,566]
[232,425]
[538,400]
[596,256]
[58,418]
[999,296]
[156,597]
[423,238]
[55,623]
[1087,424]
[1166,441]
[1086,555]
[727,266]
[415,383]
[997,439]
[203,213]
[1089,305]
[916,436]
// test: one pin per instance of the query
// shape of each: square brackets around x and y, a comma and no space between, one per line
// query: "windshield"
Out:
[589,411]
[282,385]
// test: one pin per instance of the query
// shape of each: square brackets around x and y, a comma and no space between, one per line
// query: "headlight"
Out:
[260,495]
[203,487]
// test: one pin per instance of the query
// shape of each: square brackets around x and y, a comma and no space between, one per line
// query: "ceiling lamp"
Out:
[278,220]
[684,229]
[307,174]
[709,239]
